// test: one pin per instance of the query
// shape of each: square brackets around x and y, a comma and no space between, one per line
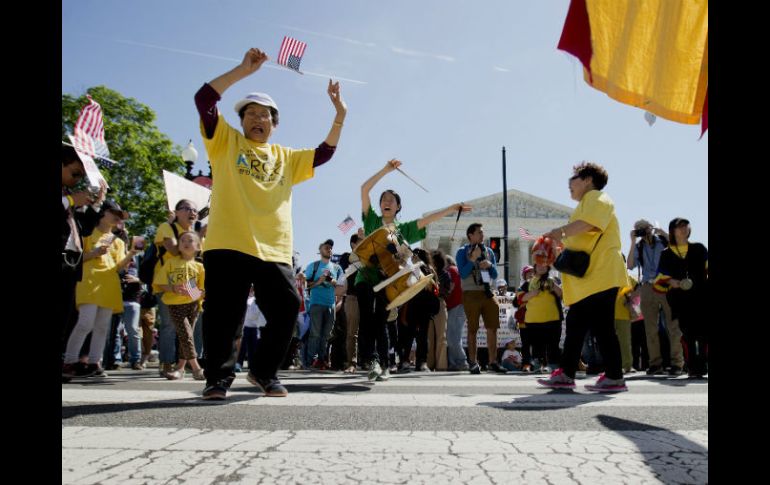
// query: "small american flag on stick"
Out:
[291,53]
[346,225]
[525,235]
[89,130]
[192,290]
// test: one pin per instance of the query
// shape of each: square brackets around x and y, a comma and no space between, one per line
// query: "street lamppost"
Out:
[190,156]
[505,220]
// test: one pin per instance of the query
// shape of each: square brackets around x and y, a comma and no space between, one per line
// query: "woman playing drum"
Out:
[372,326]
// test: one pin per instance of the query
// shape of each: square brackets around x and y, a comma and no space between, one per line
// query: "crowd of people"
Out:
[230,295]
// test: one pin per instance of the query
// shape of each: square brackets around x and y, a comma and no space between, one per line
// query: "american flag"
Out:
[525,235]
[192,290]
[346,225]
[89,130]
[291,53]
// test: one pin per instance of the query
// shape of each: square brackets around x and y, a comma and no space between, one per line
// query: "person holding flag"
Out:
[181,280]
[250,227]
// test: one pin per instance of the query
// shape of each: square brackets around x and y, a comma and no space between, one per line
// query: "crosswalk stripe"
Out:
[430,380]
[251,398]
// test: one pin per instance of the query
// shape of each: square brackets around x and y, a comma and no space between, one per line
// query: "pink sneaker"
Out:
[605,384]
[558,380]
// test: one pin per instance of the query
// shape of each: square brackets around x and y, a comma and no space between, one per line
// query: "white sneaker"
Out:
[605,384]
[558,380]
[384,376]
[375,371]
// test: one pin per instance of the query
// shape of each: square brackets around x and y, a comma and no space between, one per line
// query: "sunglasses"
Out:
[189,209]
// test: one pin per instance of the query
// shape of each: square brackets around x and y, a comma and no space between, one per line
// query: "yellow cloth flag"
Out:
[652,54]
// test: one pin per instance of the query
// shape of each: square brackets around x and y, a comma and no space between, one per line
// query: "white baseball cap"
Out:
[258,98]
[501,282]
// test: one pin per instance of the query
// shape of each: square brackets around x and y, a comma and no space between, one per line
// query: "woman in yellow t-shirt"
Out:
[98,294]
[181,280]
[184,216]
[543,317]
[593,228]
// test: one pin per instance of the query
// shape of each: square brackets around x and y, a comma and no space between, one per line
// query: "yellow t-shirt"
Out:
[177,271]
[542,308]
[165,231]
[621,310]
[251,198]
[606,269]
[101,283]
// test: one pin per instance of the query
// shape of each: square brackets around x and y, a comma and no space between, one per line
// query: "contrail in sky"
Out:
[330,36]
[203,54]
[412,53]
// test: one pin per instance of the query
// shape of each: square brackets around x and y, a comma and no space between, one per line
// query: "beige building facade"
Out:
[524,210]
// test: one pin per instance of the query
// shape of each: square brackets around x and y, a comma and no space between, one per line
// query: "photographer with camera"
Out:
[645,255]
[322,277]
[478,269]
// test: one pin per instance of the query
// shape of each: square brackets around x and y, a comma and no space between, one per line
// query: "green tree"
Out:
[141,150]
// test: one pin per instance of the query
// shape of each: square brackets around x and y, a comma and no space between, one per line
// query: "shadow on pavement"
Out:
[554,399]
[671,456]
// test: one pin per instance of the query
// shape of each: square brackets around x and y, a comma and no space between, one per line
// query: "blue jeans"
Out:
[113,344]
[131,311]
[321,323]
[198,335]
[166,335]
[454,333]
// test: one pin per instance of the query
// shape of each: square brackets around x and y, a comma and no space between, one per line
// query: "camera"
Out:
[640,232]
[487,290]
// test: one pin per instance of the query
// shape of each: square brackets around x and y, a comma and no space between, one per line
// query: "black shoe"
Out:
[84,370]
[655,370]
[474,368]
[95,370]
[68,371]
[271,387]
[216,391]
[675,371]
[496,367]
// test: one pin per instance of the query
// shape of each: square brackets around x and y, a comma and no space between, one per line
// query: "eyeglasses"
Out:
[189,209]
[257,115]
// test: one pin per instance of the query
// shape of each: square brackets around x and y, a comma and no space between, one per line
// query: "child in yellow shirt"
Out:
[181,280]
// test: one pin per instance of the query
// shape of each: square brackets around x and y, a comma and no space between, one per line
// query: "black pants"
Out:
[597,313]
[640,358]
[372,327]
[696,338]
[526,346]
[229,275]
[545,340]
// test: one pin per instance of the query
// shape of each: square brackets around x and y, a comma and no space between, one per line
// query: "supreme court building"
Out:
[524,210]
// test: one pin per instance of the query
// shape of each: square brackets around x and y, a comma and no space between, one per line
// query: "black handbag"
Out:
[574,263]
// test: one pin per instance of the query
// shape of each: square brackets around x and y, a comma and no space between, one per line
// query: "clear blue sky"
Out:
[448,83]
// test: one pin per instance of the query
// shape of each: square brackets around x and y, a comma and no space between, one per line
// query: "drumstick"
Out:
[413,180]
[459,211]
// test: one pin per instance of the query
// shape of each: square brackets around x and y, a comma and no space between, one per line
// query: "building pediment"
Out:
[520,206]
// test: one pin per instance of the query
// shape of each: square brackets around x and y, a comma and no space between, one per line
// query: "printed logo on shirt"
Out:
[178,276]
[260,166]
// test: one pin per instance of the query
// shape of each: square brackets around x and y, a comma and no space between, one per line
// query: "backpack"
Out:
[151,257]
